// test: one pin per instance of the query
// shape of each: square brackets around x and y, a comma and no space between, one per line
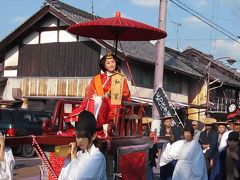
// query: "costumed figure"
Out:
[105,93]
[88,162]
[7,161]
[191,162]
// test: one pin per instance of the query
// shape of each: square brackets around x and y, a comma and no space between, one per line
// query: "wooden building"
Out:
[45,62]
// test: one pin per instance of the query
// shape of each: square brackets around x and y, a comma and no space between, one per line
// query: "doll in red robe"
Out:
[105,92]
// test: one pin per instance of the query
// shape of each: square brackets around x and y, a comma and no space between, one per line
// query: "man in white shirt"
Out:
[236,127]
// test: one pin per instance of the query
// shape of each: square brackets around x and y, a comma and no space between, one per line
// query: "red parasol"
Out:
[117,28]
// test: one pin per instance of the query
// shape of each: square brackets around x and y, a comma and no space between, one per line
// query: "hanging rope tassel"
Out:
[43,157]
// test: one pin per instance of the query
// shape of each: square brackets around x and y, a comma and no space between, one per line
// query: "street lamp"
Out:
[231,61]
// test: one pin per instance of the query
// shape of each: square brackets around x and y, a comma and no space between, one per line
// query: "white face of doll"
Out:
[110,65]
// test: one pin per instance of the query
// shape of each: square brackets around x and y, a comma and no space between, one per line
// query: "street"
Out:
[26,168]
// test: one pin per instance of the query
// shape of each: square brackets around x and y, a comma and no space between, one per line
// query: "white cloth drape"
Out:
[6,166]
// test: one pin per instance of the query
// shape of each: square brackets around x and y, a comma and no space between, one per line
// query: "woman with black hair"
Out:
[105,92]
[88,162]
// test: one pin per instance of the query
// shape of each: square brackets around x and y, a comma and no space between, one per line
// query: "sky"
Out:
[183,28]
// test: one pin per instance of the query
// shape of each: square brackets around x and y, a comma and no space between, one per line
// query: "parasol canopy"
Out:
[117,28]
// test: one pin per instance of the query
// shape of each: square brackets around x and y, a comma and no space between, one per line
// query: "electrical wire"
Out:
[205,20]
[208,20]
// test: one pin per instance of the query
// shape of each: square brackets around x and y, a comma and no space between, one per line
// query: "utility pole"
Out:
[178,25]
[93,10]
[159,64]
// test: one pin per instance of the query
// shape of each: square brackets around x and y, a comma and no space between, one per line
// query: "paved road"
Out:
[26,168]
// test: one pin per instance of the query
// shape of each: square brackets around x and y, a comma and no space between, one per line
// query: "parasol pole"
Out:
[116,46]
[117,39]
[159,64]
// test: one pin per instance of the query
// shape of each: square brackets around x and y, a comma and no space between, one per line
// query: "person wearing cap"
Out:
[227,162]
[221,129]
[196,131]
[7,161]
[169,130]
[208,141]
[88,162]
[235,121]
[190,159]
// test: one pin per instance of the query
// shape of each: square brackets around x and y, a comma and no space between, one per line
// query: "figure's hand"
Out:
[73,151]
[205,146]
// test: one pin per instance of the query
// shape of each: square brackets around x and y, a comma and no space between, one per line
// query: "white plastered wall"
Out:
[11,59]
[65,36]
[48,37]
[33,38]
[11,83]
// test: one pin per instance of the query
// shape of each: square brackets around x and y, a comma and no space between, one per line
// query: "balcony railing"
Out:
[221,104]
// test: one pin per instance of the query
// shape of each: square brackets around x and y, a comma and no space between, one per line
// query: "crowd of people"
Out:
[212,153]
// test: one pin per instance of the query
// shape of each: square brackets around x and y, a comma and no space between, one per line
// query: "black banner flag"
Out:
[161,102]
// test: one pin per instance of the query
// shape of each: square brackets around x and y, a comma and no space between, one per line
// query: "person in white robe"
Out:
[88,163]
[7,161]
[191,163]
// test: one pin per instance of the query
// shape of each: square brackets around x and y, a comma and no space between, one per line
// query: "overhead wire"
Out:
[233,10]
[205,20]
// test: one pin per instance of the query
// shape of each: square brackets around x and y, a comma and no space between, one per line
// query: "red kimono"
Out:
[101,86]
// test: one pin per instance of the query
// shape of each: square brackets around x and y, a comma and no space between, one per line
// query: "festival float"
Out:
[122,140]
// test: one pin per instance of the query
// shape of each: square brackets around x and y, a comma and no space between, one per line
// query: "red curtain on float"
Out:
[133,165]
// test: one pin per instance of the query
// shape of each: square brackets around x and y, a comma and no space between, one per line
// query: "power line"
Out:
[205,20]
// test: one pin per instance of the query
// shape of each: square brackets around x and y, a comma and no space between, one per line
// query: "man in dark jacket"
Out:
[208,140]
[227,162]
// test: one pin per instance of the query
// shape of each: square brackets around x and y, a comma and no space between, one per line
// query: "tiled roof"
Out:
[72,13]
[146,52]
[196,63]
